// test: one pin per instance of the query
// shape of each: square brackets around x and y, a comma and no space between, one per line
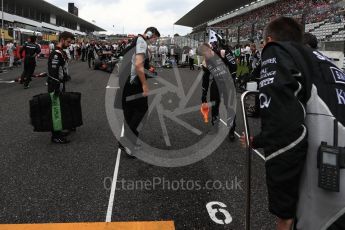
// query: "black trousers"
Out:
[191,63]
[177,58]
[29,69]
[242,59]
[215,95]
[89,57]
[247,59]
[134,110]
[83,54]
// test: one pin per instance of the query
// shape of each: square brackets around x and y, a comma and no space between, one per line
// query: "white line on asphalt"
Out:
[114,182]
[123,130]
[110,87]
[223,122]
[256,151]
[7,82]
[238,135]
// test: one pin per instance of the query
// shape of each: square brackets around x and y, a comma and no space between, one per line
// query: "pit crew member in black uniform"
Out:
[90,50]
[135,110]
[57,75]
[230,62]
[300,92]
[31,51]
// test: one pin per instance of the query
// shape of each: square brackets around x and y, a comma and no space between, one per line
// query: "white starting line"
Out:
[113,183]
[7,82]
[111,87]
[256,151]
[238,135]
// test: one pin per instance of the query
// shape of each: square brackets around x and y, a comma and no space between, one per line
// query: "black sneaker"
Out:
[231,136]
[65,133]
[126,150]
[26,86]
[215,121]
[60,140]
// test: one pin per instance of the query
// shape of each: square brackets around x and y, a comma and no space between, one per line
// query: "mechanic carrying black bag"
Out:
[57,110]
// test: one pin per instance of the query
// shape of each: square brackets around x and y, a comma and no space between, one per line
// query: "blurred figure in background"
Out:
[31,51]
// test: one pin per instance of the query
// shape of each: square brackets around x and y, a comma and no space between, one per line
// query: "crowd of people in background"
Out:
[307,11]
[79,50]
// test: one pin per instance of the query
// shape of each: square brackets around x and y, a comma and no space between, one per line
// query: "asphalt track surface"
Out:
[46,183]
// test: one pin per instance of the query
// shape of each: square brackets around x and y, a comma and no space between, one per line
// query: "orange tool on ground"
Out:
[204,110]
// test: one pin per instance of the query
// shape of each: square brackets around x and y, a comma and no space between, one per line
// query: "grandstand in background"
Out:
[244,21]
[42,18]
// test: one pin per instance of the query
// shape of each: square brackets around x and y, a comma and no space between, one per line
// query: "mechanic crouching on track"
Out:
[302,107]
[215,77]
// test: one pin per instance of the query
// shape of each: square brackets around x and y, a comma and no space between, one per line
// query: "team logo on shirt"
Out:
[264,101]
[266,82]
[341,96]
[269,61]
[338,75]
[264,73]
[321,56]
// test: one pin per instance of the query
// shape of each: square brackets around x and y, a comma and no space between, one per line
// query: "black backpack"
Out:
[128,52]
[130,46]
[125,68]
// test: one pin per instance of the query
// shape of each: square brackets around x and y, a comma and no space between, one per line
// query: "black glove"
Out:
[204,68]
[204,99]
[57,92]
[66,78]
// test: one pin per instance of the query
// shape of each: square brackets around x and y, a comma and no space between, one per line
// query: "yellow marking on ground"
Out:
[147,225]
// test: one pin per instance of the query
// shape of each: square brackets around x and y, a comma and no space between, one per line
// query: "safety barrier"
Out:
[4,59]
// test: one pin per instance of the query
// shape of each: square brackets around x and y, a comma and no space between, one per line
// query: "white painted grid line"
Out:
[238,135]
[256,151]
[114,182]
[110,87]
[223,122]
